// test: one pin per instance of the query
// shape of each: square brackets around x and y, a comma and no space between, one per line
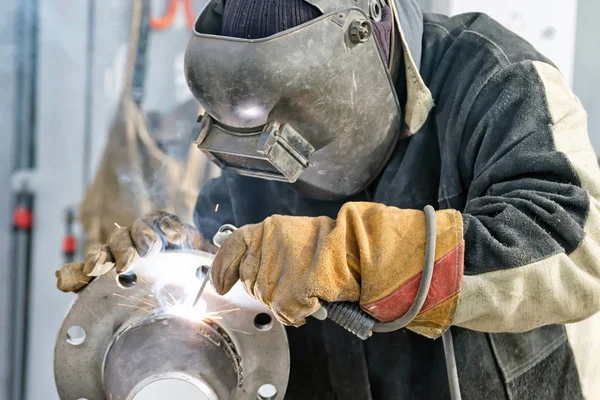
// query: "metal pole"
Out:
[25,96]
[89,94]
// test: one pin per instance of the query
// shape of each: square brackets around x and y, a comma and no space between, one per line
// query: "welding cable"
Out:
[425,280]
[451,368]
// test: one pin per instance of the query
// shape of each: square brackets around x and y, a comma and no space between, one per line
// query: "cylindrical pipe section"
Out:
[169,348]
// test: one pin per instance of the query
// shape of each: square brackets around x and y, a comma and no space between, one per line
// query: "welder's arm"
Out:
[370,253]
[532,218]
[531,227]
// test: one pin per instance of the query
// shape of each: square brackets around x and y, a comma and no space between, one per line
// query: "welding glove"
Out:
[372,254]
[146,237]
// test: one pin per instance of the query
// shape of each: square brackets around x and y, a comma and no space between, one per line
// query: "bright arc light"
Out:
[186,311]
[175,285]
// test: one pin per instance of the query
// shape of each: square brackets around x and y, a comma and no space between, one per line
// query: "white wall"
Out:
[549,25]
[587,65]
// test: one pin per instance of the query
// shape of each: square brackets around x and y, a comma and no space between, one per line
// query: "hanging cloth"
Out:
[135,176]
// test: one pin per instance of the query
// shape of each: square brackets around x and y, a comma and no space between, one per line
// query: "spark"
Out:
[237,330]
[136,298]
[172,298]
[217,207]
[117,225]
[132,306]
[251,112]
[120,295]
[144,301]
[223,312]
[221,306]
[149,294]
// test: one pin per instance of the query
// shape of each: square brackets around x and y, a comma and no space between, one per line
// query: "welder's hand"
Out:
[288,263]
[371,253]
[146,237]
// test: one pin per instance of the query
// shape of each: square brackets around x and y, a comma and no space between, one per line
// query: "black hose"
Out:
[351,317]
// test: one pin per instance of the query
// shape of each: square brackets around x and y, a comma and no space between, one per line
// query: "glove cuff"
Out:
[388,289]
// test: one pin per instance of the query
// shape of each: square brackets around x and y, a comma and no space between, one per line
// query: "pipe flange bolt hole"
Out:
[263,322]
[127,280]
[267,392]
[75,335]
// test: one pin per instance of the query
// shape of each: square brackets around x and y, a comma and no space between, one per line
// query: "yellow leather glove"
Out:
[371,253]
[145,237]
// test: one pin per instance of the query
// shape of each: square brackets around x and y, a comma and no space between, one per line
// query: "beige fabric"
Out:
[419,100]
[559,289]
[71,278]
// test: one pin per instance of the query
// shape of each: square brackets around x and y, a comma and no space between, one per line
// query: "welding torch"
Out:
[222,234]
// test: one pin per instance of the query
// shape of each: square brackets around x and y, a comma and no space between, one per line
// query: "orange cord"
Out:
[166,20]
[189,13]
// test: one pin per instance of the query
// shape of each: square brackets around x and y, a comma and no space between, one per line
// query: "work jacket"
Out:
[506,144]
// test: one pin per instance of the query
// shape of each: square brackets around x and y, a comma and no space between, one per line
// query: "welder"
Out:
[335,123]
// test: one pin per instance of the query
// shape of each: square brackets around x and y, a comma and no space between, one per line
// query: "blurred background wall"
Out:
[61,66]
[586,65]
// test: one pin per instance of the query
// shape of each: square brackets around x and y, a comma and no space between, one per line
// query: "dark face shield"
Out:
[313,106]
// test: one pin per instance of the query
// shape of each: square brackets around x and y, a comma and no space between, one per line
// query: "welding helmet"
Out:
[314,105]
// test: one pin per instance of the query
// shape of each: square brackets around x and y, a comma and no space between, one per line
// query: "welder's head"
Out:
[298,91]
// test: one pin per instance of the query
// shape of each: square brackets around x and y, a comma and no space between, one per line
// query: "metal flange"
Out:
[124,333]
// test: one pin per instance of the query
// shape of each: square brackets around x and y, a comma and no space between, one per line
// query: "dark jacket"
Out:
[506,144]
